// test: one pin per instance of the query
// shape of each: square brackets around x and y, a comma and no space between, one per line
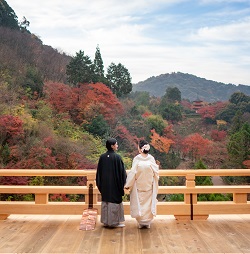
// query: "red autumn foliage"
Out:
[38,157]
[62,97]
[14,180]
[11,127]
[217,135]
[216,155]
[186,104]
[84,102]
[99,97]
[195,146]
[125,139]
[211,110]
[246,163]
[160,143]
[59,197]
[168,132]
[146,114]
[73,161]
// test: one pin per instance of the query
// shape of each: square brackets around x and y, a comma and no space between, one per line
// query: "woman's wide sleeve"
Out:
[131,175]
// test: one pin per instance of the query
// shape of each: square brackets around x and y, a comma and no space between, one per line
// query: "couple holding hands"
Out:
[142,181]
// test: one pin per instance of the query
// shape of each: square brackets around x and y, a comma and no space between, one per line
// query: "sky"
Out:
[206,38]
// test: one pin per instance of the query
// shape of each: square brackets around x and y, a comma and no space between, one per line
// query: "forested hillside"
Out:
[191,87]
[56,111]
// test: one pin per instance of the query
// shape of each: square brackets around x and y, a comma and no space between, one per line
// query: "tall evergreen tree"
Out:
[237,122]
[98,64]
[169,106]
[8,17]
[239,146]
[80,69]
[173,94]
[119,80]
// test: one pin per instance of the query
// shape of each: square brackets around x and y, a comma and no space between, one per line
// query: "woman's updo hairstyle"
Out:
[144,146]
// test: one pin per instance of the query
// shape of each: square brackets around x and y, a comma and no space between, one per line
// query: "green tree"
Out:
[171,112]
[33,82]
[5,154]
[119,80]
[207,180]
[238,97]
[202,180]
[24,24]
[237,122]
[227,113]
[173,159]
[169,106]
[98,126]
[80,69]
[239,146]
[98,66]
[156,122]
[8,17]
[173,94]
[140,98]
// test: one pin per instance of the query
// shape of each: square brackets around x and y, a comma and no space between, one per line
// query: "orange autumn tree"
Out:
[160,143]
[95,99]
[195,146]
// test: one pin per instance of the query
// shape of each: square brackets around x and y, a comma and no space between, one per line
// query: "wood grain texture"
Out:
[61,234]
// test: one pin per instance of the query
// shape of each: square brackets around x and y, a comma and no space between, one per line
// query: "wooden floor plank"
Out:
[168,231]
[191,240]
[61,234]
[42,235]
[90,240]
[20,231]
[66,238]
[131,237]
[234,229]
[151,241]
[110,241]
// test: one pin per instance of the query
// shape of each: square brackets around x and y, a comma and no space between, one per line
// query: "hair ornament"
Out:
[145,147]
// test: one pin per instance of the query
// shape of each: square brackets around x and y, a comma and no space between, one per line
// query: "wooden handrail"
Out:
[191,208]
[85,172]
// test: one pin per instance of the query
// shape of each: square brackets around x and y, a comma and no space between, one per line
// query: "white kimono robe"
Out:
[142,180]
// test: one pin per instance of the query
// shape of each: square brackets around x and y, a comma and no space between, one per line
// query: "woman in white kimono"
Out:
[142,180]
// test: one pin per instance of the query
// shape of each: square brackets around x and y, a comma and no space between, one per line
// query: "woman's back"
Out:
[144,176]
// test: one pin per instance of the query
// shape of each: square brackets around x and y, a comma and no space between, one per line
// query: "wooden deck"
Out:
[61,234]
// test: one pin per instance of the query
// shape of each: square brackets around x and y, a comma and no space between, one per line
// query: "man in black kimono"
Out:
[110,180]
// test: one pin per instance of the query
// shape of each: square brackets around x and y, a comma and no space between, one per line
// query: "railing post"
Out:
[191,198]
[190,183]
[240,198]
[91,183]
[41,198]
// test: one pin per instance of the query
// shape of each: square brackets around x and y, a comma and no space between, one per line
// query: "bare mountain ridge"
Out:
[191,87]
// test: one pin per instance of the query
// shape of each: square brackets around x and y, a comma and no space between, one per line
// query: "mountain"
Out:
[190,86]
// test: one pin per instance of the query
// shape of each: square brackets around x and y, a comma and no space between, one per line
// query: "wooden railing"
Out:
[190,208]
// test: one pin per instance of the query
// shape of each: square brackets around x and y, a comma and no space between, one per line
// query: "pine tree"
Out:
[239,146]
[119,80]
[80,69]
[8,17]
[98,66]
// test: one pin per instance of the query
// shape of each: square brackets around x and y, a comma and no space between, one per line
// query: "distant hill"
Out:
[191,87]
